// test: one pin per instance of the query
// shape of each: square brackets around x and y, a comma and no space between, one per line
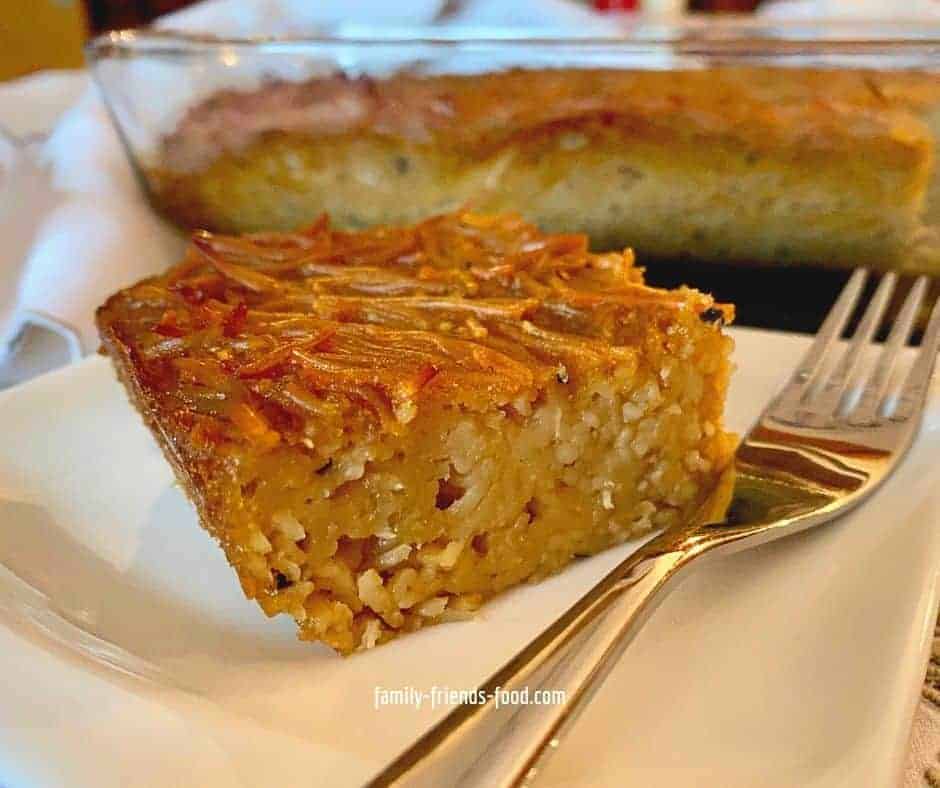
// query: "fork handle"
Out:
[504,741]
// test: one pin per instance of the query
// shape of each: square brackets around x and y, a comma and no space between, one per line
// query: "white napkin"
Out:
[83,227]
[76,205]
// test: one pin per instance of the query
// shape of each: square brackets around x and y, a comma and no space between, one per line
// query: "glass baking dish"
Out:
[755,160]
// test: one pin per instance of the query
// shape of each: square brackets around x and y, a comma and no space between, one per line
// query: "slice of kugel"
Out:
[385,428]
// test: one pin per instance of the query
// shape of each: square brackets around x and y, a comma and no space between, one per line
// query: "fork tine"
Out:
[866,411]
[829,398]
[918,380]
[828,334]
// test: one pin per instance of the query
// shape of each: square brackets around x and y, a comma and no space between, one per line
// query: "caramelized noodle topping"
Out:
[466,309]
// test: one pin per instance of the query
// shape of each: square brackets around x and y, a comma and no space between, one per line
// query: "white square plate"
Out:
[129,657]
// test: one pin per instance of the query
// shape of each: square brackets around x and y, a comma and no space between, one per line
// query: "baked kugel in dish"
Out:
[385,428]
[729,164]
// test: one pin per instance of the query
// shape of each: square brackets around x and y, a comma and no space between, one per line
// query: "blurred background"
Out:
[40,34]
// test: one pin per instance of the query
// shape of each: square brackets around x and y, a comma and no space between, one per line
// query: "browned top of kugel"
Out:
[256,338]
[789,110]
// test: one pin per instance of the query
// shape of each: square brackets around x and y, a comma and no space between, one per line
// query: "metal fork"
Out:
[825,443]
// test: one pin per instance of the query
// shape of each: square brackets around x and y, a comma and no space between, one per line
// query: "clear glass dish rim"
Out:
[745,38]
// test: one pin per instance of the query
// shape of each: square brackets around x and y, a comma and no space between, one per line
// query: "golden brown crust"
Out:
[461,309]
[800,110]
[183,468]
